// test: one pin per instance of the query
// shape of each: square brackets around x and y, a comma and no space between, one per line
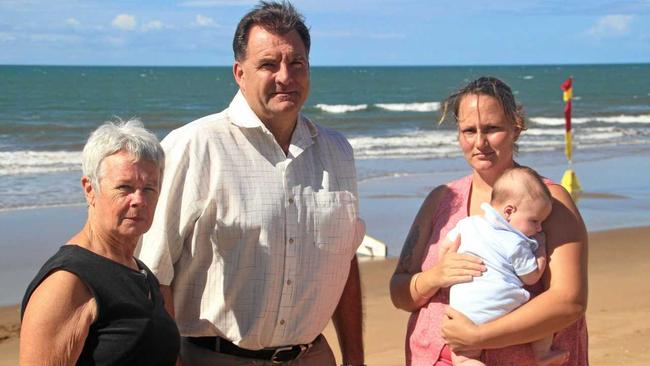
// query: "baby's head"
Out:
[523,199]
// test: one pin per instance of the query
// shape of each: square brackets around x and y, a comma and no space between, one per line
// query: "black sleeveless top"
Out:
[132,326]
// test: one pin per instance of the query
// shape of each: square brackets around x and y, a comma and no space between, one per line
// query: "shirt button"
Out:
[291,201]
[289,282]
[282,322]
[290,240]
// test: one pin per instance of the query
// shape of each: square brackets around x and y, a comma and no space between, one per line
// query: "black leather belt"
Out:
[275,355]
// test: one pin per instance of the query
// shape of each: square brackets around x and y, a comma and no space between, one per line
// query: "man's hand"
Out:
[347,318]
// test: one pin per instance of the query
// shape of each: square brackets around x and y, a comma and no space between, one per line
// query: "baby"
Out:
[501,237]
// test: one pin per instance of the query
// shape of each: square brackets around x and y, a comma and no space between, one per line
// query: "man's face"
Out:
[274,76]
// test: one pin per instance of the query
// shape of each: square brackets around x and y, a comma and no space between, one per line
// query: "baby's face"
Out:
[529,215]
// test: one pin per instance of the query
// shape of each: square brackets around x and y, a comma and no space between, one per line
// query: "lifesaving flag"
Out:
[567,87]
[569,180]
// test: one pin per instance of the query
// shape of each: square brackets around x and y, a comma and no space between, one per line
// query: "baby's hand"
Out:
[540,253]
[541,244]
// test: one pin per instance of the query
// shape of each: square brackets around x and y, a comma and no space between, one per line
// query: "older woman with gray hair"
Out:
[93,302]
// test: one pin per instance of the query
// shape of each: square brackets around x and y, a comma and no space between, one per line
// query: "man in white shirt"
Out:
[257,225]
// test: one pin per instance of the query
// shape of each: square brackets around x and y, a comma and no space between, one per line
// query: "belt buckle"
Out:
[276,353]
[303,349]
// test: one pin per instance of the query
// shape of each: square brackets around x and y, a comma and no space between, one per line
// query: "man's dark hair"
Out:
[276,17]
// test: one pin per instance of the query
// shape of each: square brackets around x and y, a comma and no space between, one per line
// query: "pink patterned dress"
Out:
[424,340]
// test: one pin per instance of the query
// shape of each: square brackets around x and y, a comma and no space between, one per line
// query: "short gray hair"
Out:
[115,136]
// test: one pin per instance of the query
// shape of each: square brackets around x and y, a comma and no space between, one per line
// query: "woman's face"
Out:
[123,208]
[485,134]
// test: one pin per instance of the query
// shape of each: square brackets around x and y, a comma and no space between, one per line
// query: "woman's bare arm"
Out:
[410,288]
[563,303]
[56,321]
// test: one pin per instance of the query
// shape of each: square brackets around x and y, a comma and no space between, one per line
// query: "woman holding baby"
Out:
[489,123]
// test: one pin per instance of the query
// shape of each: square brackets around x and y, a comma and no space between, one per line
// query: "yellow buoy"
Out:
[570,183]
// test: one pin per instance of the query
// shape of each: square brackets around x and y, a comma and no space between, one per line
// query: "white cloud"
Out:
[124,22]
[153,25]
[611,26]
[72,22]
[216,3]
[204,21]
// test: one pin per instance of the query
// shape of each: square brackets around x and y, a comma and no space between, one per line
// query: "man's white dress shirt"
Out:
[256,244]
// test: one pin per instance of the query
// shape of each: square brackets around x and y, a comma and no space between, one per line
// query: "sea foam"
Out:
[623,119]
[391,107]
[407,144]
[410,107]
[341,108]
[38,162]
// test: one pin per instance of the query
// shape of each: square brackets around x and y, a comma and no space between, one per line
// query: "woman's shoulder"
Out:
[57,274]
[562,198]
[61,294]
[57,317]
[446,195]
[445,201]
[63,284]
[460,183]
[458,186]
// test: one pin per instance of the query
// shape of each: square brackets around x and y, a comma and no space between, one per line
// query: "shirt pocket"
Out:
[336,221]
[225,237]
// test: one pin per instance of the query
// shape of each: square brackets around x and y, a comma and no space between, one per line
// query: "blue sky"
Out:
[344,32]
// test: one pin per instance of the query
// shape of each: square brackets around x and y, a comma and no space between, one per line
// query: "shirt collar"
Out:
[243,116]
[241,113]
[498,222]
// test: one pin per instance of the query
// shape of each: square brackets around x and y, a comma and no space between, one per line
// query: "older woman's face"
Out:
[485,134]
[125,204]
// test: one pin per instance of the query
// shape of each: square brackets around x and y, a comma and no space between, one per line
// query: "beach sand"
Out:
[617,315]
[619,302]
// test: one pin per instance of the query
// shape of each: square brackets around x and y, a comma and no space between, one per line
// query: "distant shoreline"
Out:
[341,66]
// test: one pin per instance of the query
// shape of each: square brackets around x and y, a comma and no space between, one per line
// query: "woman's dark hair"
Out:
[275,17]
[491,86]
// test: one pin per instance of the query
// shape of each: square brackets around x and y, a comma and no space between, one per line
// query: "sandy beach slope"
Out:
[619,304]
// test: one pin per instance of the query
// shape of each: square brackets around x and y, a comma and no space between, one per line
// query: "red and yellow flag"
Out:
[569,179]
[567,87]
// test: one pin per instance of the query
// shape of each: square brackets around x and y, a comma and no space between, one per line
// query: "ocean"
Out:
[389,114]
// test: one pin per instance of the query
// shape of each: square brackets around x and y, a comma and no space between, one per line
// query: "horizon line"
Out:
[333,66]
